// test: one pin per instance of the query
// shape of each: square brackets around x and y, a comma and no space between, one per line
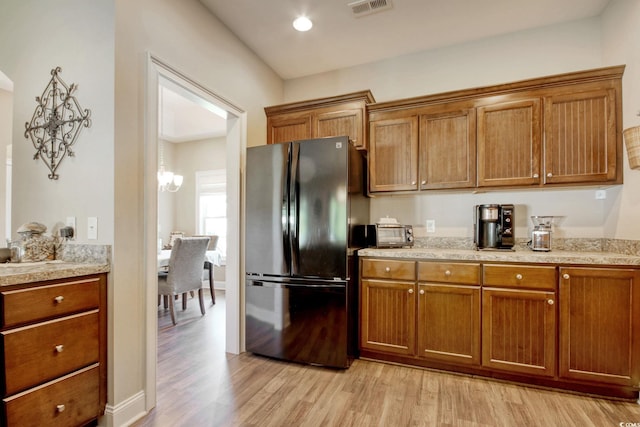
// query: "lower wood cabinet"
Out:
[600,325]
[53,352]
[574,328]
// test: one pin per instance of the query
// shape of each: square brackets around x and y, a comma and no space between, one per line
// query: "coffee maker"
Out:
[493,227]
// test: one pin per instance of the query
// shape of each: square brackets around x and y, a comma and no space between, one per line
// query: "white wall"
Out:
[186,36]
[6,122]
[35,37]
[534,53]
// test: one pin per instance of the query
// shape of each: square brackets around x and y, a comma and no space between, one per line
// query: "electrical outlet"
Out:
[92,228]
[601,194]
[431,226]
[71,222]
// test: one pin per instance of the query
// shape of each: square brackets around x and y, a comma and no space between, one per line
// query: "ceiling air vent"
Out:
[367,7]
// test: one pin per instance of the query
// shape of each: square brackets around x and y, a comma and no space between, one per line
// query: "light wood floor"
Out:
[200,385]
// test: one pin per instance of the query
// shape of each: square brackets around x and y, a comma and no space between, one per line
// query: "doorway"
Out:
[158,71]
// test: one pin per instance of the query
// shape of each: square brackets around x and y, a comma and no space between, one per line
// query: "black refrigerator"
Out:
[303,199]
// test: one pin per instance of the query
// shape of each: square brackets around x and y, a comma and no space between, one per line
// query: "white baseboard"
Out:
[125,413]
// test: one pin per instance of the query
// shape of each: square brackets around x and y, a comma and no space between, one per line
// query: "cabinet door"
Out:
[288,127]
[600,325]
[519,331]
[345,121]
[448,150]
[393,154]
[449,323]
[388,316]
[580,142]
[509,144]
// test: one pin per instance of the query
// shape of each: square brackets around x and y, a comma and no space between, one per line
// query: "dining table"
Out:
[211,259]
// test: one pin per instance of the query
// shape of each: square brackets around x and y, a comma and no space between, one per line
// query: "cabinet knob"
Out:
[519,276]
[59,348]
[410,291]
[549,175]
[423,182]
[387,269]
[565,276]
[59,299]
[535,175]
[413,183]
[60,408]
[550,301]
[421,291]
[447,273]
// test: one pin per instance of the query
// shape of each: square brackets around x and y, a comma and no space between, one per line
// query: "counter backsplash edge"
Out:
[84,254]
[620,246]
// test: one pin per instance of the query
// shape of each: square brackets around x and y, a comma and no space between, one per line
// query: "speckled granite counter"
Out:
[75,260]
[519,255]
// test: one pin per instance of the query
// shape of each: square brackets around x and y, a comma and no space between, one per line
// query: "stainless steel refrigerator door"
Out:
[318,204]
[267,248]
[298,322]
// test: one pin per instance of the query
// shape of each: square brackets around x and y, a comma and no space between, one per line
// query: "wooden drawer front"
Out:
[450,272]
[519,276]
[45,302]
[32,354]
[388,269]
[72,400]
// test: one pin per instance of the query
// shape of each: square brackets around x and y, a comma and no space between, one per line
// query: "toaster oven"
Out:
[388,235]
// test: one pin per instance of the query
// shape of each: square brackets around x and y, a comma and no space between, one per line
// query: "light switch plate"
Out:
[431,226]
[92,228]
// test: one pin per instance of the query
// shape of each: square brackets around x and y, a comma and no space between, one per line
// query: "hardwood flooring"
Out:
[200,385]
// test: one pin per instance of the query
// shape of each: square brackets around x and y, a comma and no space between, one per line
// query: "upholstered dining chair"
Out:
[213,243]
[184,273]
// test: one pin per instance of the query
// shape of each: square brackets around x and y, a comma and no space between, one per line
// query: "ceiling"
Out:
[340,39]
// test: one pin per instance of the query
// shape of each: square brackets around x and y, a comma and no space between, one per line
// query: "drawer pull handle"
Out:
[565,276]
[421,291]
[59,348]
[387,269]
[550,301]
[447,273]
[410,291]
[519,276]
[59,299]
[60,408]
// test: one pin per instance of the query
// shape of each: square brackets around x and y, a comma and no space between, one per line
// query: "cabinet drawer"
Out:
[39,353]
[72,400]
[44,302]
[449,272]
[389,269]
[520,276]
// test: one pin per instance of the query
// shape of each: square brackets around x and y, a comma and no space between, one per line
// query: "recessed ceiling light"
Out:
[302,24]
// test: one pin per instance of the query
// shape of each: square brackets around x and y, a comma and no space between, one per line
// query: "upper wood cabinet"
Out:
[319,118]
[509,141]
[580,136]
[551,131]
[393,154]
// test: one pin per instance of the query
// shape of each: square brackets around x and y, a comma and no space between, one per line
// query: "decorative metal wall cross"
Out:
[56,123]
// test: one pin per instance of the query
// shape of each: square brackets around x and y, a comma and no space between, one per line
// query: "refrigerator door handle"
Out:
[294,208]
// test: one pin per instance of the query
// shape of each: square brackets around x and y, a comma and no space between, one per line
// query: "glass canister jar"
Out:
[36,245]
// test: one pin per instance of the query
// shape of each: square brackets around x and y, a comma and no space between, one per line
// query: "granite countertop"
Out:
[73,260]
[519,255]
[15,274]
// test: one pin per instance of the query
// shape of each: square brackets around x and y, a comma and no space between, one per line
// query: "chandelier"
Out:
[167,180]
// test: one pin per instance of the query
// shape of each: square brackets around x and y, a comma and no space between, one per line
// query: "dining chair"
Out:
[184,273]
[208,265]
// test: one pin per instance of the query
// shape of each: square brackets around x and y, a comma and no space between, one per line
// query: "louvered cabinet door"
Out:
[509,143]
[600,325]
[448,149]
[393,154]
[519,331]
[581,143]
[388,316]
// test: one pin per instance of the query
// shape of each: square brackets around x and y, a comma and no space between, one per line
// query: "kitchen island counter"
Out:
[518,256]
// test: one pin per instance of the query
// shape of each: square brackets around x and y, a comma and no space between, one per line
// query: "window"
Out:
[211,194]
